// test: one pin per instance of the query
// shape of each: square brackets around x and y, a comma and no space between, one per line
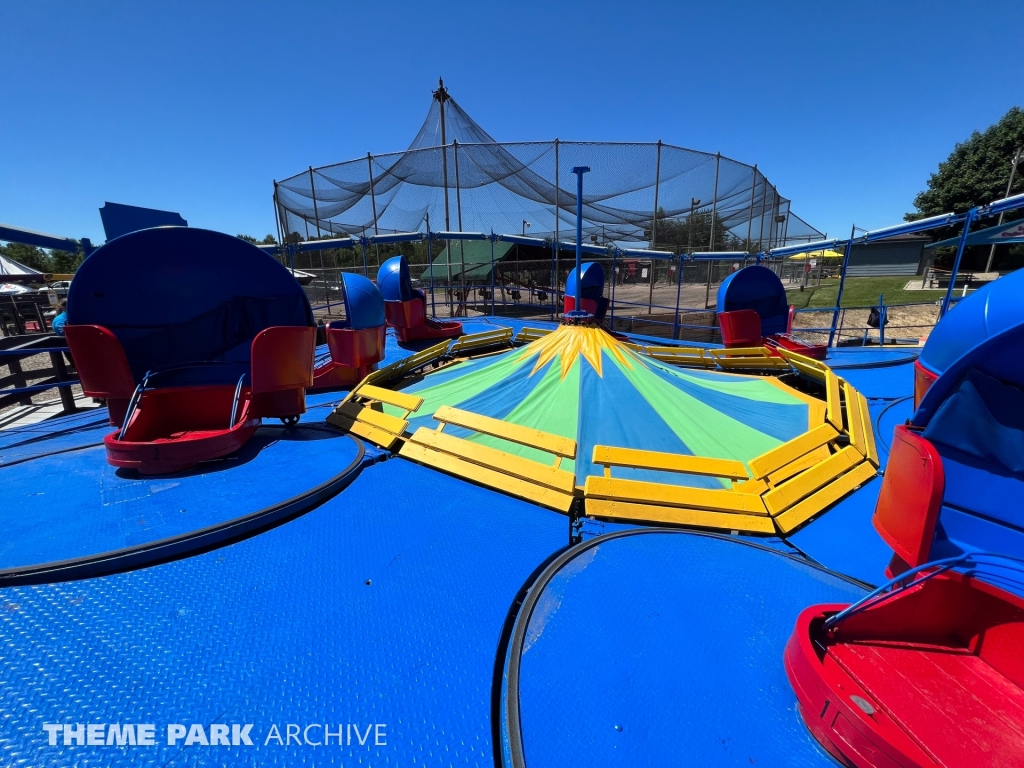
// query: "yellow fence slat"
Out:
[679,355]
[366,431]
[538,494]
[800,513]
[385,421]
[699,518]
[753,363]
[792,450]
[740,352]
[481,340]
[669,462]
[869,432]
[806,461]
[534,438]
[807,482]
[397,399]
[816,414]
[673,495]
[526,335]
[507,463]
[806,365]
[834,406]
[853,418]
[751,486]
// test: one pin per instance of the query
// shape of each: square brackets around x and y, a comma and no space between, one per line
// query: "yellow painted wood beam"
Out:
[385,421]
[790,451]
[446,462]
[533,438]
[800,513]
[669,462]
[663,494]
[855,423]
[869,432]
[698,518]
[401,400]
[506,463]
[810,480]
[833,403]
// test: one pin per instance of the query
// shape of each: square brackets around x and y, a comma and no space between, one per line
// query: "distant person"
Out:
[61,319]
[58,326]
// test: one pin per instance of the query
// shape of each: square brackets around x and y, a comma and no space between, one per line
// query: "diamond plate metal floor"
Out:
[662,648]
[385,605]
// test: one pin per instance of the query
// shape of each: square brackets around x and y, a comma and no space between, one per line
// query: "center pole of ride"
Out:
[577,314]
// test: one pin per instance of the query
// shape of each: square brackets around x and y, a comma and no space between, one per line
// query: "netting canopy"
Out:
[456,177]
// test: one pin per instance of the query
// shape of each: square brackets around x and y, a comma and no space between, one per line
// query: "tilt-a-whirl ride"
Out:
[507,543]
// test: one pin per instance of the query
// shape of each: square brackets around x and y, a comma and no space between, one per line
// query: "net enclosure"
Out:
[456,177]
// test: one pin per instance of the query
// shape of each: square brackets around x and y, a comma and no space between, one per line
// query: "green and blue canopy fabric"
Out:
[581,383]
[466,260]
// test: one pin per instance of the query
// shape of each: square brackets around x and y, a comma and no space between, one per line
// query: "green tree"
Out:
[692,233]
[975,173]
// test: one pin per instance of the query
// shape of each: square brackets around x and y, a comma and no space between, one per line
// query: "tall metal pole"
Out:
[760,224]
[750,214]
[277,216]
[657,184]
[373,202]
[441,95]
[579,170]
[956,262]
[430,262]
[714,204]
[316,213]
[842,282]
[458,203]
[557,246]
[1009,184]
[679,288]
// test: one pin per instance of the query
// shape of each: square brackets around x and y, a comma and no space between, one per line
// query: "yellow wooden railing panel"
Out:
[662,494]
[507,463]
[679,355]
[869,432]
[480,340]
[806,461]
[385,421]
[397,399]
[806,365]
[650,513]
[669,462]
[833,404]
[740,352]
[534,438]
[527,335]
[807,482]
[855,424]
[790,451]
[476,473]
[831,493]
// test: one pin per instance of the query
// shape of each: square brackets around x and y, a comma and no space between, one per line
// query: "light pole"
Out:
[526,225]
[578,312]
[1013,172]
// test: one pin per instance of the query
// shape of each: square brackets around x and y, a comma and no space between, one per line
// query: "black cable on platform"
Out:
[187,544]
[513,721]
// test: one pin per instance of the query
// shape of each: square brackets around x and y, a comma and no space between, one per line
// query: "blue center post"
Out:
[577,313]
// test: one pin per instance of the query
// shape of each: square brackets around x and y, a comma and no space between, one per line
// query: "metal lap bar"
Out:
[480,341]
[539,483]
[234,401]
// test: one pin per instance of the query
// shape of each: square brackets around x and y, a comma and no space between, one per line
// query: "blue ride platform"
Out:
[387,604]
[661,647]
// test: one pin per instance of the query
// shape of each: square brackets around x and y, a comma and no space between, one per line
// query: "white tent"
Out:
[11,267]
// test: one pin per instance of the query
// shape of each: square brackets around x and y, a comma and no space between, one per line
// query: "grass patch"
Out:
[860,292]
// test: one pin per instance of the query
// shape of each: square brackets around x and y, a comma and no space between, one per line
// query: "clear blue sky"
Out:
[197,106]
